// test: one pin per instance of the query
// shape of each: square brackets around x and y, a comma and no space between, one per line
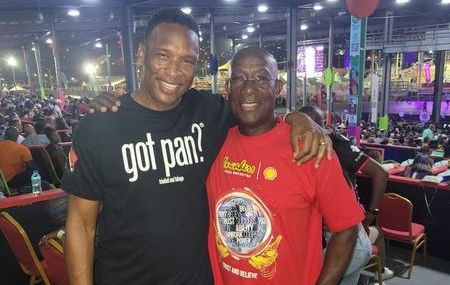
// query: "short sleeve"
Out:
[350,156]
[336,200]
[83,178]
[26,154]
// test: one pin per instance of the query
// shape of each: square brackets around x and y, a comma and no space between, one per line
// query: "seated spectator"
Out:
[16,161]
[39,125]
[55,151]
[375,155]
[15,122]
[429,132]
[441,141]
[421,166]
[433,145]
[61,124]
[31,138]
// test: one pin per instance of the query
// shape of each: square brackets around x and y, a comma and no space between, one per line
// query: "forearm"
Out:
[79,239]
[379,182]
[338,254]
[297,118]
[79,252]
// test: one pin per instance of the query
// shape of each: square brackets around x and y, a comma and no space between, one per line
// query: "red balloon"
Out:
[362,8]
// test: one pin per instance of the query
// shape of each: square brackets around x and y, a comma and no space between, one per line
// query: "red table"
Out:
[26,199]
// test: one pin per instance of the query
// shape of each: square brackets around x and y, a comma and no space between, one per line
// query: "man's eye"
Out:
[189,61]
[238,78]
[262,78]
[162,55]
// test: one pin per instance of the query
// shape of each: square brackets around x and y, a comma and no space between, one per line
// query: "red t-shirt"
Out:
[266,213]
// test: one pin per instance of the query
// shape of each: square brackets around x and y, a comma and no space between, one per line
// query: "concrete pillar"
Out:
[129,55]
[438,83]
[213,58]
[291,46]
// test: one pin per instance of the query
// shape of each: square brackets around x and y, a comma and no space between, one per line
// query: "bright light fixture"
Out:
[73,12]
[331,0]
[303,27]
[11,61]
[401,1]
[89,68]
[200,39]
[33,49]
[186,10]
[98,45]
[262,8]
[445,2]
[317,7]
[250,29]
[244,36]
[49,41]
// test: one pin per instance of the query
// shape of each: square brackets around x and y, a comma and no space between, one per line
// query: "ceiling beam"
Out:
[80,26]
[28,4]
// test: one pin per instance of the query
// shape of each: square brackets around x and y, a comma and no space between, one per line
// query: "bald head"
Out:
[314,113]
[254,51]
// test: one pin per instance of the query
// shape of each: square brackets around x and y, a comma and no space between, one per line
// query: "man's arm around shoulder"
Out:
[79,243]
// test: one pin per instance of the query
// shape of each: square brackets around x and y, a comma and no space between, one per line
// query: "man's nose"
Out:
[248,86]
[173,69]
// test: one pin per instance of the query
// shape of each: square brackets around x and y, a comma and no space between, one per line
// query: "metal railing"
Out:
[430,34]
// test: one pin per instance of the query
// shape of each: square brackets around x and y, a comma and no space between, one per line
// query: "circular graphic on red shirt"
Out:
[243,223]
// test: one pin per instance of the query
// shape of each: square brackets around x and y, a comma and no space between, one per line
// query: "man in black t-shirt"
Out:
[138,174]
[353,160]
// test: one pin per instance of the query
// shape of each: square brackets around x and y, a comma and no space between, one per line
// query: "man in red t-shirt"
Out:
[265,213]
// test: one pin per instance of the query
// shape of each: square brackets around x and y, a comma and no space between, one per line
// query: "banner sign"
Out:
[355,43]
[374,97]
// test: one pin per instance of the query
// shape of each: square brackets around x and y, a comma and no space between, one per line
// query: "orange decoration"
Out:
[362,8]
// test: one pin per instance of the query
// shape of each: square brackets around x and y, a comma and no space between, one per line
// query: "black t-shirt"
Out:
[350,156]
[149,169]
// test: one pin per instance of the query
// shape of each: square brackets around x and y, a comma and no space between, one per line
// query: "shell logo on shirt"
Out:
[244,231]
[270,173]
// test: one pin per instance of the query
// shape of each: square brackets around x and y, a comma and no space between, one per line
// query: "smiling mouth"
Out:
[168,86]
[249,106]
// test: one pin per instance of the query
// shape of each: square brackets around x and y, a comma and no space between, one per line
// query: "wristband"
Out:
[373,211]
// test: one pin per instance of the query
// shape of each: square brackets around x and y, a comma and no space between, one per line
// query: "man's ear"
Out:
[278,86]
[140,55]
[227,88]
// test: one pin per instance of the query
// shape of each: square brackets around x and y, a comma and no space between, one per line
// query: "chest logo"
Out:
[238,166]
[270,173]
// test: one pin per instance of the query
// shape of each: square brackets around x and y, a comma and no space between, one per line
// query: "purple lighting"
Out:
[409,58]
[347,59]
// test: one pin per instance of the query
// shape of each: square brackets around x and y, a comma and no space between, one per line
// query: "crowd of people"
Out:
[407,133]
[30,121]
[177,186]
